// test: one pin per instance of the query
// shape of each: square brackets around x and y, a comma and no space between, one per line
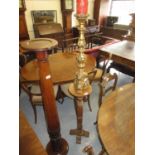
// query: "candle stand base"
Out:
[79,133]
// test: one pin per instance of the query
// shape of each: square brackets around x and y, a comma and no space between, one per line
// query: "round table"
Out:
[116,121]
[63,67]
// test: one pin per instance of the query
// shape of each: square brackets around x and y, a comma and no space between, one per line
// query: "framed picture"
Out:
[44,16]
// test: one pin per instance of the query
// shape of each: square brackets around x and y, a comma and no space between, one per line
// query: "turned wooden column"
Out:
[79,96]
[57,145]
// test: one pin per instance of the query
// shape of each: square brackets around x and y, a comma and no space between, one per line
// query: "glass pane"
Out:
[20,4]
[68,4]
[122,9]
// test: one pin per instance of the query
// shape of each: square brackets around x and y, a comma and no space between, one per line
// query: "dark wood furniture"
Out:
[29,143]
[106,79]
[67,9]
[63,67]
[49,30]
[23,33]
[90,30]
[79,97]
[57,144]
[116,121]
[114,32]
[121,52]
[34,93]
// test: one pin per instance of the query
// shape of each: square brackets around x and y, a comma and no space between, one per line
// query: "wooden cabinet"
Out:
[23,33]
[114,33]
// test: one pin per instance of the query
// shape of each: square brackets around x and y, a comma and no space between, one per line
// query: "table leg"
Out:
[79,114]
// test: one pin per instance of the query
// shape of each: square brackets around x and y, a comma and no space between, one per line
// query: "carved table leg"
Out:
[79,114]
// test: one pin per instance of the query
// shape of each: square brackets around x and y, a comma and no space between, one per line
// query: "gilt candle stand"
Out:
[40,46]
[81,80]
[81,87]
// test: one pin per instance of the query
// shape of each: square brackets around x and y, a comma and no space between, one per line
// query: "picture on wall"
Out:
[44,16]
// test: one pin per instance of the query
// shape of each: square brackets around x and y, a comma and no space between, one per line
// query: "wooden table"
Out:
[121,52]
[63,67]
[116,121]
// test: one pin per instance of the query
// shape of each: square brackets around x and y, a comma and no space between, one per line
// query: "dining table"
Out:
[122,52]
[63,67]
[116,121]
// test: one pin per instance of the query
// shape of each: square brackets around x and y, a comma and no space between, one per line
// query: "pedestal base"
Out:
[63,150]
[78,134]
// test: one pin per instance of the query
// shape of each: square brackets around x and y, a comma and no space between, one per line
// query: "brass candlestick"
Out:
[81,80]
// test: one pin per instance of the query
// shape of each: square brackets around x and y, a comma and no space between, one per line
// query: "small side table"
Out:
[79,96]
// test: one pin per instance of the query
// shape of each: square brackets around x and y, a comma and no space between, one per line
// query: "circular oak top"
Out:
[116,121]
[79,93]
[38,44]
[63,67]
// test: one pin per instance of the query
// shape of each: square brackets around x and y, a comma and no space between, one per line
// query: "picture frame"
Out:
[44,16]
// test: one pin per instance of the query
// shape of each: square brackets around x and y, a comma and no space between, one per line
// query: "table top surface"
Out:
[39,44]
[116,121]
[124,49]
[63,67]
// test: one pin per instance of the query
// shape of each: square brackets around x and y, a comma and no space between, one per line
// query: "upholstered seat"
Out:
[34,93]
[35,89]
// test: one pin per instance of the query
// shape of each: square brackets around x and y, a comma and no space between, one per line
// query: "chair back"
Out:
[70,45]
[91,76]
[108,77]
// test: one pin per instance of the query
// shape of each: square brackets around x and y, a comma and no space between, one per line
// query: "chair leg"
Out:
[35,113]
[90,109]
[101,93]
[60,95]
[115,81]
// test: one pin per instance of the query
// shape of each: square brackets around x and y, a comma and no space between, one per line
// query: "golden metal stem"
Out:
[81,80]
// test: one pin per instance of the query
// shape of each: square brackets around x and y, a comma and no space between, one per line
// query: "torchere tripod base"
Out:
[62,151]
[79,133]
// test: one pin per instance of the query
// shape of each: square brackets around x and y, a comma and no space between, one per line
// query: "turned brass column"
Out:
[81,80]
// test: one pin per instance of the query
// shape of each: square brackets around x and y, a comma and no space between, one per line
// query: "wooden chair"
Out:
[103,85]
[64,89]
[70,45]
[34,93]
[100,39]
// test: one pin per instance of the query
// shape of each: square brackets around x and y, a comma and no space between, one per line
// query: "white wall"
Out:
[51,5]
[41,5]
